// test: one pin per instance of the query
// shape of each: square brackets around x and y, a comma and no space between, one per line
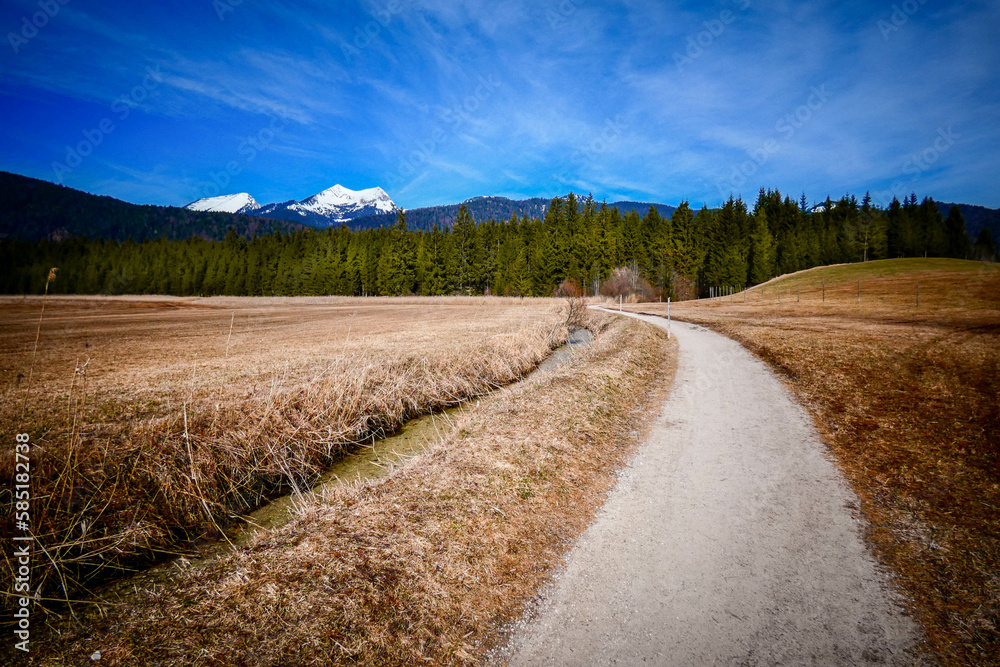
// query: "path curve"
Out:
[731,538]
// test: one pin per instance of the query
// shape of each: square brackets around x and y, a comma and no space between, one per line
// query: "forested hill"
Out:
[491,208]
[976,218]
[576,247]
[31,209]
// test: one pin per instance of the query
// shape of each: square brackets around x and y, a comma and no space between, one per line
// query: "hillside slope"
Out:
[31,209]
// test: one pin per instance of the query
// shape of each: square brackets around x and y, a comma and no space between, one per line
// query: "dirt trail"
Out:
[731,539]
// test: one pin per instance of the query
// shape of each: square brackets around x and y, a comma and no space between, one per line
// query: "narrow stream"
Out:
[383,456]
[370,462]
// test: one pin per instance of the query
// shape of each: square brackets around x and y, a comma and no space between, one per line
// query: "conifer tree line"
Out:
[577,246]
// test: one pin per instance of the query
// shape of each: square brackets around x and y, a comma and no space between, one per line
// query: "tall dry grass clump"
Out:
[905,390]
[146,451]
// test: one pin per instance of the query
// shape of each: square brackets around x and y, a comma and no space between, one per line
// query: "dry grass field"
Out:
[908,398]
[154,422]
[426,565]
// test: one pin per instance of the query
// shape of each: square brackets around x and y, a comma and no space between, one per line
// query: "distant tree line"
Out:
[577,246]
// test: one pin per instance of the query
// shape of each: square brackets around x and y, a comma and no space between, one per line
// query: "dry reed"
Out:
[175,425]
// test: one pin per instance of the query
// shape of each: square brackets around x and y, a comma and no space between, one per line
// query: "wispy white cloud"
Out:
[396,100]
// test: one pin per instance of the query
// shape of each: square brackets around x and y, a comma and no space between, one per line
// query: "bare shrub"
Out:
[684,288]
[628,283]
[577,314]
[568,288]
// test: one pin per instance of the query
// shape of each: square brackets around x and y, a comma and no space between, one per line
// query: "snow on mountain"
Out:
[332,206]
[345,204]
[238,203]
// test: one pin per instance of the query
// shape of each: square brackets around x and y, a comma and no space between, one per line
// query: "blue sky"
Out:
[438,101]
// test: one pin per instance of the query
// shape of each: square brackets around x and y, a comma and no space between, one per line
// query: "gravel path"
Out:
[730,539]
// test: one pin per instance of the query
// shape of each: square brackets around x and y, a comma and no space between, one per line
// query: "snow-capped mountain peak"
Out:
[333,206]
[238,203]
[340,201]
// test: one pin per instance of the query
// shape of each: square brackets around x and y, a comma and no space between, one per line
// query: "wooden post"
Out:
[668,318]
[859,291]
[619,303]
[824,292]
[798,297]
[918,295]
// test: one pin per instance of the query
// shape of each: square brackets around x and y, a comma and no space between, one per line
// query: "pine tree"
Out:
[958,241]
[762,254]
[899,230]
[406,254]
[631,245]
[726,260]
[934,234]
[684,250]
[871,231]
[985,250]
[520,280]
[464,242]
[438,280]
[424,265]
[657,244]
[397,261]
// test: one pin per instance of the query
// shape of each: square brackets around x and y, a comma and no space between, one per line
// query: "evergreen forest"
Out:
[578,246]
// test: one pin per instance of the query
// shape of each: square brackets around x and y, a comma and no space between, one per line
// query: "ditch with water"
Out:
[378,458]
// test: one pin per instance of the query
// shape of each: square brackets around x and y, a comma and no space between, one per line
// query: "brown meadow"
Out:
[428,564]
[155,422]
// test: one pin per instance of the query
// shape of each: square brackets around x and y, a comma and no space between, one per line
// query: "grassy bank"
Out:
[904,386]
[425,565]
[153,423]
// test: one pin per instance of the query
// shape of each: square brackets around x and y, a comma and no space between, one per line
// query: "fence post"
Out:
[859,292]
[824,292]
[918,295]
[668,318]
[619,303]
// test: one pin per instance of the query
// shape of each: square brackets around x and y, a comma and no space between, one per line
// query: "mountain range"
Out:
[498,208]
[333,206]
[33,209]
[364,209]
